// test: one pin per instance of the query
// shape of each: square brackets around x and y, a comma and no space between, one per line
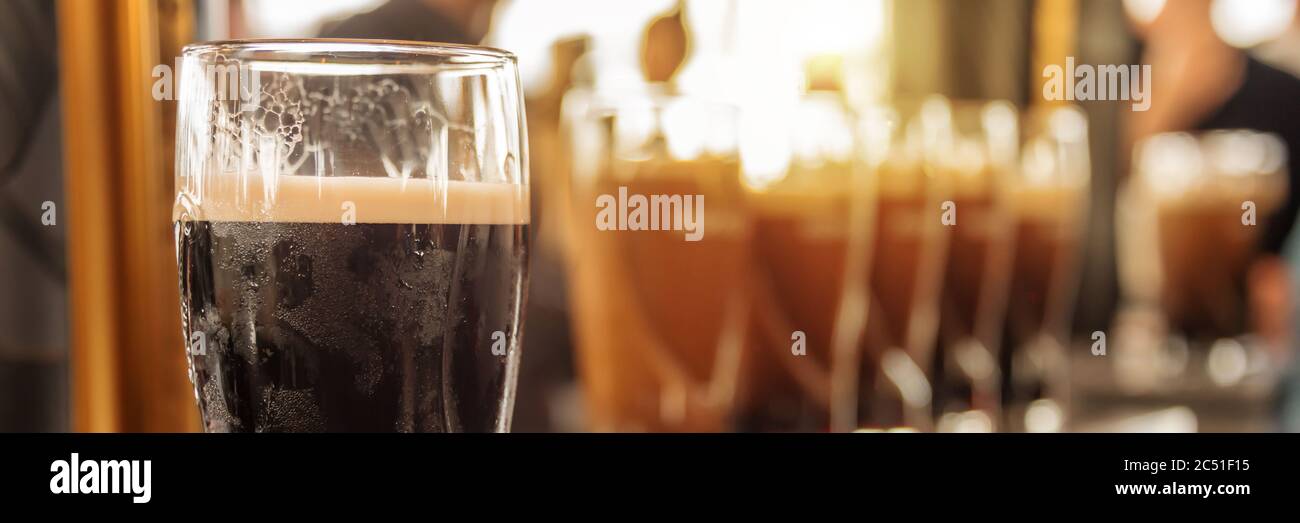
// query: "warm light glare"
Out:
[281,19]
[1248,23]
[528,28]
[1144,11]
[1227,362]
[1044,415]
[1169,163]
[765,148]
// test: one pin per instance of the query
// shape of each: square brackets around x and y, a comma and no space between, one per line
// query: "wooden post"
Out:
[127,356]
[1055,37]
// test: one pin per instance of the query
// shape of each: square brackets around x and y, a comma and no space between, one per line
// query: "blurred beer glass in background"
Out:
[909,243]
[811,216]
[1209,198]
[1048,198]
[660,316]
[978,165]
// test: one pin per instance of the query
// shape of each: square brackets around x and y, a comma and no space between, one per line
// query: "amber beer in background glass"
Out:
[1201,186]
[1048,198]
[982,156]
[660,318]
[811,220]
[908,246]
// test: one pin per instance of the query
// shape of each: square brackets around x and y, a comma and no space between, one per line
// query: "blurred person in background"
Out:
[1200,82]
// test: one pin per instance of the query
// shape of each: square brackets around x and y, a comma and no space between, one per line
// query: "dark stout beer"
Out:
[906,276]
[974,288]
[1043,279]
[405,320]
[1205,254]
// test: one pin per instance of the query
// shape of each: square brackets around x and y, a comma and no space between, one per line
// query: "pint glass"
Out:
[657,259]
[1049,205]
[351,224]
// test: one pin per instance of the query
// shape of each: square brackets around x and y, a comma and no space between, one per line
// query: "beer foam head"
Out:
[1218,165]
[968,169]
[901,175]
[1048,202]
[351,199]
[811,197]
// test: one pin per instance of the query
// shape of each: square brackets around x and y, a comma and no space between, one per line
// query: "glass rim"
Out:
[359,48]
